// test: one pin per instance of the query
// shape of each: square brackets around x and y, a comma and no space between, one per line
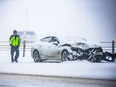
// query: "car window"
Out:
[54,39]
[21,33]
[46,39]
[29,33]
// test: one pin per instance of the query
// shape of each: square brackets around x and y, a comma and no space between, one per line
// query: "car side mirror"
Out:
[55,43]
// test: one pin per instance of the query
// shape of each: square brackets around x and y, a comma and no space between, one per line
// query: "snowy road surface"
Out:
[83,69]
[41,81]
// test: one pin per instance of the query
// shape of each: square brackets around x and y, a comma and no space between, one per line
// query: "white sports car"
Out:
[51,48]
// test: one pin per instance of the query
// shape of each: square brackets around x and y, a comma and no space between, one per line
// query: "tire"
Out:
[36,56]
[64,55]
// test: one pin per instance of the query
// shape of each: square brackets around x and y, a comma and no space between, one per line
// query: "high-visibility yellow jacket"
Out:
[15,40]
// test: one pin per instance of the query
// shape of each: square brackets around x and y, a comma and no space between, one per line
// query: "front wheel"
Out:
[64,55]
[36,56]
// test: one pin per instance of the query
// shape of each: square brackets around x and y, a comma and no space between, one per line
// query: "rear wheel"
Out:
[36,56]
[64,55]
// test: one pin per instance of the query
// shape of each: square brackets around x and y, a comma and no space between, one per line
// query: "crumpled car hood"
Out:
[84,45]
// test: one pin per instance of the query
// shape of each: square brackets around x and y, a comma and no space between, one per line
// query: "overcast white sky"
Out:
[91,19]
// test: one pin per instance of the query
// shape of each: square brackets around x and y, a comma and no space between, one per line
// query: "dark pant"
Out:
[14,50]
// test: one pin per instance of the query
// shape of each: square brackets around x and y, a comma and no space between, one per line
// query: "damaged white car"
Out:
[51,48]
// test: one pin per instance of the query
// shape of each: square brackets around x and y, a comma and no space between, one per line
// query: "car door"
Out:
[54,48]
[44,47]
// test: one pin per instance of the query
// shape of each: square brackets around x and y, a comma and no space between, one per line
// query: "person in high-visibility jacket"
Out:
[14,43]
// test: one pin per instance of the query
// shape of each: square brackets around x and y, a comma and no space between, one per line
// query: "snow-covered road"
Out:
[10,80]
[83,69]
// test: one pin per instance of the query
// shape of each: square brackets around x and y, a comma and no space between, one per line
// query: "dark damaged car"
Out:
[52,48]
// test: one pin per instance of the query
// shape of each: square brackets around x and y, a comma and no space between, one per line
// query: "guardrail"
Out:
[107,46]
[4,46]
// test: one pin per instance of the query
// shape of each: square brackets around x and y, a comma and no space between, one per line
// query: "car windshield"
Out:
[30,33]
[20,33]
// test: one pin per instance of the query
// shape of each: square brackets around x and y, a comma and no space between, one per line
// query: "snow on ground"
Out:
[84,69]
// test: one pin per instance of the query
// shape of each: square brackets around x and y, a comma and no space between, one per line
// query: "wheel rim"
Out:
[64,56]
[36,56]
